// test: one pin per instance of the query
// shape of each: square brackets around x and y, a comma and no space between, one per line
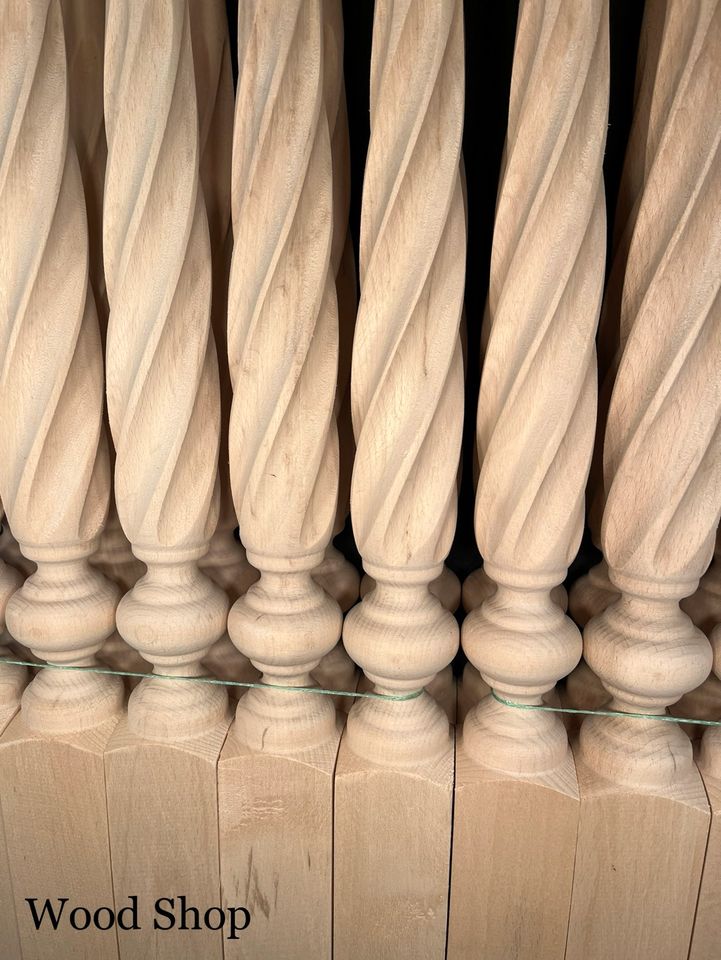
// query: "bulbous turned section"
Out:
[116,561]
[649,653]
[63,613]
[172,616]
[522,643]
[478,587]
[227,566]
[704,606]
[591,594]
[446,587]
[12,677]
[339,578]
[285,623]
[401,636]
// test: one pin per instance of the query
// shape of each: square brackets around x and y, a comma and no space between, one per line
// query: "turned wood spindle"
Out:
[162,372]
[407,375]
[594,591]
[663,443]
[535,428]
[335,574]
[225,562]
[283,355]
[407,408]
[662,476]
[54,472]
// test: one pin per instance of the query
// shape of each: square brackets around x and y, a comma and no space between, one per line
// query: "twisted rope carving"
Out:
[84,34]
[673,269]
[407,378]
[283,325]
[538,392]
[162,369]
[54,473]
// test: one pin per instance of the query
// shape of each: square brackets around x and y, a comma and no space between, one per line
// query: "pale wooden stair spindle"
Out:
[225,562]
[662,468]
[594,591]
[536,417]
[283,356]
[407,405]
[164,411]
[84,35]
[335,574]
[84,22]
[54,481]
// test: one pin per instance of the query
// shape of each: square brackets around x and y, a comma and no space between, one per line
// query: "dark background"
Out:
[490,32]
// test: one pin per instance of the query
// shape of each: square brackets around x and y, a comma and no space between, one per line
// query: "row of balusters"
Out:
[183,353]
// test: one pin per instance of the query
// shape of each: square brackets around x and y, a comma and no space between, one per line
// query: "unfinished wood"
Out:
[407,407]
[401,915]
[225,562]
[56,832]
[707,922]
[276,853]
[446,587]
[478,587]
[634,894]
[662,465]
[163,821]
[52,447]
[335,574]
[283,355]
[9,935]
[535,438]
[162,372]
[516,916]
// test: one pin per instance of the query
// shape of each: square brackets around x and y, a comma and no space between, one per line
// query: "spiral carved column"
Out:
[407,407]
[662,469]
[164,411]
[84,22]
[283,356]
[225,562]
[54,473]
[536,418]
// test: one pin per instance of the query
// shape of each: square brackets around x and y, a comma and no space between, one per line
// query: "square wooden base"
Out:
[53,807]
[392,859]
[276,849]
[706,941]
[163,816]
[514,842]
[9,936]
[638,869]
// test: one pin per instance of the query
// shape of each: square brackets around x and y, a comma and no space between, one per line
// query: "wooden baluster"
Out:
[54,480]
[278,761]
[407,399]
[164,411]
[84,35]
[225,562]
[662,467]
[593,592]
[536,417]
[335,574]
